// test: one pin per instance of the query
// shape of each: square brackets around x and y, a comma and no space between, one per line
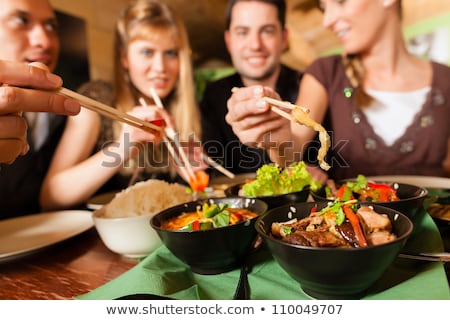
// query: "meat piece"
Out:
[315,239]
[373,221]
[380,237]
[347,232]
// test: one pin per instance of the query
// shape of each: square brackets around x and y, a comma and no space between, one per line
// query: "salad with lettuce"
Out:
[271,179]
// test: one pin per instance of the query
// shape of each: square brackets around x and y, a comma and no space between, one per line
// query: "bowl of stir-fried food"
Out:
[211,235]
[335,250]
[277,186]
[406,198]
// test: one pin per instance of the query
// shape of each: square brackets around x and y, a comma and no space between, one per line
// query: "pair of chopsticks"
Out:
[172,135]
[109,112]
[275,106]
[283,104]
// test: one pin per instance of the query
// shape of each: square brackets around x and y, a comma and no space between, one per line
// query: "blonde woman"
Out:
[151,51]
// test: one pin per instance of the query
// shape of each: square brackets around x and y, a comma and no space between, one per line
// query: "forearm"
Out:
[77,184]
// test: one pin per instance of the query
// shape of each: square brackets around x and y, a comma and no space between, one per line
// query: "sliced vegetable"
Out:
[354,221]
[221,219]
[344,193]
[210,211]
[384,192]
[200,182]
[195,225]
[271,179]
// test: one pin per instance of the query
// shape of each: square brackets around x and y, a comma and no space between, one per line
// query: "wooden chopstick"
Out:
[109,112]
[218,167]
[284,104]
[210,161]
[278,103]
[282,113]
[187,170]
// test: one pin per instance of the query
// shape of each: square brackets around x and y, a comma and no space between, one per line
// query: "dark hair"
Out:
[279,4]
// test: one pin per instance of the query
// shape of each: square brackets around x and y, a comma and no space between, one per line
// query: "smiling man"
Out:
[255,37]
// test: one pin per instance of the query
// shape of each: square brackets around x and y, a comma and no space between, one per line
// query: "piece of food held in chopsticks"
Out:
[199,181]
[300,115]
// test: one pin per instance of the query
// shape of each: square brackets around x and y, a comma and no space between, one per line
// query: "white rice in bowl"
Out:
[146,198]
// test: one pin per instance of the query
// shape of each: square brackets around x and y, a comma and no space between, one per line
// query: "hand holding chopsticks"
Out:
[172,135]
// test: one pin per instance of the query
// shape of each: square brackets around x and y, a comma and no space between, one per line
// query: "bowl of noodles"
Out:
[212,235]
[123,223]
[334,250]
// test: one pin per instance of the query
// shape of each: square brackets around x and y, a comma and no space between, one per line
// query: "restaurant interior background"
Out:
[87,34]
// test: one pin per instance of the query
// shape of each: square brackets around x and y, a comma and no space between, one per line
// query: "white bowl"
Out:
[129,236]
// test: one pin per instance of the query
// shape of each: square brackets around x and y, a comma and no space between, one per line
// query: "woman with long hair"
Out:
[386,110]
[152,52]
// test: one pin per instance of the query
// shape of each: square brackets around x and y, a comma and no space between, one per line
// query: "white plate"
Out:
[23,235]
[421,181]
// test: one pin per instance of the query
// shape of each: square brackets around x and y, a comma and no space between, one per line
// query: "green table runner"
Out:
[163,274]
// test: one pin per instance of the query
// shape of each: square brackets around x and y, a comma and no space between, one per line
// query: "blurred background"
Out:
[87,34]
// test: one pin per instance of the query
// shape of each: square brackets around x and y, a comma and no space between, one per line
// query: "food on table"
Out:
[439,211]
[271,179]
[208,216]
[299,115]
[340,224]
[200,182]
[363,190]
[146,197]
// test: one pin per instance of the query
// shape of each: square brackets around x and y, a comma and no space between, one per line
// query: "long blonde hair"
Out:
[355,72]
[144,19]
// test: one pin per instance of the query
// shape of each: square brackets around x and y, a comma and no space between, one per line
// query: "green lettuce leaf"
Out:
[271,179]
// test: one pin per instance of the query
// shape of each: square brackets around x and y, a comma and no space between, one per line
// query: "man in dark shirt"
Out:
[28,33]
[255,37]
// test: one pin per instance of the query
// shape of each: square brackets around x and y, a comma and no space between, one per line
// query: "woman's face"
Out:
[357,23]
[153,63]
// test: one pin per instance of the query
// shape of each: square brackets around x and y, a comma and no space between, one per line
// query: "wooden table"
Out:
[77,266]
[63,271]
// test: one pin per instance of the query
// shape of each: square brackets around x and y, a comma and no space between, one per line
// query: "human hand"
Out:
[252,120]
[133,138]
[17,95]
[195,155]
[317,173]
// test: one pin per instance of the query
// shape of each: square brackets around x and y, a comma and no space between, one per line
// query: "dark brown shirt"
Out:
[357,149]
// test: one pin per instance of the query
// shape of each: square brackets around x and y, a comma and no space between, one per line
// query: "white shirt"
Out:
[39,123]
[391,113]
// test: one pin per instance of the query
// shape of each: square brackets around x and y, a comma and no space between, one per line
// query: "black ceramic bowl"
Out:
[410,203]
[272,201]
[332,273]
[210,251]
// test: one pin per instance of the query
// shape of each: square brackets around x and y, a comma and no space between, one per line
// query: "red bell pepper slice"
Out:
[200,182]
[344,193]
[385,191]
[354,221]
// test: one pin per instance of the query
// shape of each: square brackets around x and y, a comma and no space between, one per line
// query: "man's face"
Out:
[255,40]
[28,32]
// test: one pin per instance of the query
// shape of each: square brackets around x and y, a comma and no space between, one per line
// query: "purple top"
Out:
[356,148]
